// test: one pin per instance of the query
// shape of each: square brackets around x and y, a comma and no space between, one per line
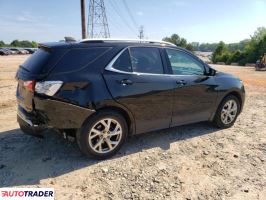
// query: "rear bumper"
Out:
[27,126]
[54,114]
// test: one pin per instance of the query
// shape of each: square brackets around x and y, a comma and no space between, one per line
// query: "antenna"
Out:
[97,21]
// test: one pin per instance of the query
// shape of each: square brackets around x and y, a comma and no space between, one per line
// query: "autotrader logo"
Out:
[26,193]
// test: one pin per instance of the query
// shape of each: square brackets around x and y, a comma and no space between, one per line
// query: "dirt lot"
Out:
[190,162]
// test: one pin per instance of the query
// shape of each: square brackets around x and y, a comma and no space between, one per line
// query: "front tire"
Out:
[102,135]
[227,112]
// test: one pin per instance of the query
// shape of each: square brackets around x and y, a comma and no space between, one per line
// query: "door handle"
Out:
[126,82]
[181,83]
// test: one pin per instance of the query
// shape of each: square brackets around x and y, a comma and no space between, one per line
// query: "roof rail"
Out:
[127,40]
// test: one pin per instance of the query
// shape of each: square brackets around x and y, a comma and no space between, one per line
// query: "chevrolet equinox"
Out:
[102,91]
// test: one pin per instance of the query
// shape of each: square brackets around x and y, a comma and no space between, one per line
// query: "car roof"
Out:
[104,42]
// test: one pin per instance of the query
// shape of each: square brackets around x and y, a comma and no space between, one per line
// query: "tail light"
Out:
[48,87]
[29,85]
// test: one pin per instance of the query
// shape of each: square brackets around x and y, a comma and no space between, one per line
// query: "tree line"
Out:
[18,43]
[205,47]
[250,53]
[243,52]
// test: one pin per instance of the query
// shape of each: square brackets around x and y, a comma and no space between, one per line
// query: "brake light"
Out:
[30,85]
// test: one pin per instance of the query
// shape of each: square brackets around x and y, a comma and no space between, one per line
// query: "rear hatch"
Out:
[36,68]
[55,59]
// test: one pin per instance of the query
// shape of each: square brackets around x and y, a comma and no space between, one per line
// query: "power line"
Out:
[114,22]
[119,14]
[118,24]
[97,20]
[130,14]
[118,27]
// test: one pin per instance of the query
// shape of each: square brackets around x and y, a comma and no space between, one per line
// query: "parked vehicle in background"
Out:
[9,51]
[12,52]
[30,50]
[15,50]
[102,91]
[23,51]
[4,51]
[19,51]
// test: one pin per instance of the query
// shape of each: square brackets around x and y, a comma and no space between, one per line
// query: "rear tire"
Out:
[102,135]
[227,112]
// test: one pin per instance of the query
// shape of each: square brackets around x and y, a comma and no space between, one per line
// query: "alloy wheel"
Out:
[229,112]
[105,135]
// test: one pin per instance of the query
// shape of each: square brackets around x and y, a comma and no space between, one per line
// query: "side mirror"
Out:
[210,71]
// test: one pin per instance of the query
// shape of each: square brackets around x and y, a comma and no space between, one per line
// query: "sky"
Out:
[196,20]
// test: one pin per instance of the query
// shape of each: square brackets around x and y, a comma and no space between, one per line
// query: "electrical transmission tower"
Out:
[141,33]
[97,21]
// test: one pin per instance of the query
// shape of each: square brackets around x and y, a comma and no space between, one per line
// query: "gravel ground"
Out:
[195,161]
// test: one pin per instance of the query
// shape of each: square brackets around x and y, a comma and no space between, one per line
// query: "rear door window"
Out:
[146,60]
[76,59]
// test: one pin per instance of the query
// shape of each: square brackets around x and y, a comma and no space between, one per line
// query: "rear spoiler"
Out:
[70,39]
[45,47]
[49,46]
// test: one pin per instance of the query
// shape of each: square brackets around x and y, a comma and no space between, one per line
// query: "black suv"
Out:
[102,91]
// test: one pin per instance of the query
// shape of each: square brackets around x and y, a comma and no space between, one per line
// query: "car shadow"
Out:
[26,160]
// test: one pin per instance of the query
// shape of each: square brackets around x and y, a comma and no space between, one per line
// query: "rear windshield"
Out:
[77,59]
[35,62]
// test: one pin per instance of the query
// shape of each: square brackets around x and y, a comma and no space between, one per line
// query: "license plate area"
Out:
[24,96]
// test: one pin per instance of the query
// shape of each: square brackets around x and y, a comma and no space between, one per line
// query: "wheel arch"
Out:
[234,93]
[237,95]
[121,110]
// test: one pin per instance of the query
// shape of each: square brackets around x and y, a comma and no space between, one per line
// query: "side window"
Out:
[183,64]
[123,62]
[146,60]
[78,58]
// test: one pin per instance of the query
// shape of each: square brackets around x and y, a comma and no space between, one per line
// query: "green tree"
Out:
[2,44]
[259,34]
[190,47]
[220,53]
[15,43]
[257,45]
[24,43]
[178,41]
[175,39]
[208,47]
[34,44]
[246,51]
[195,45]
